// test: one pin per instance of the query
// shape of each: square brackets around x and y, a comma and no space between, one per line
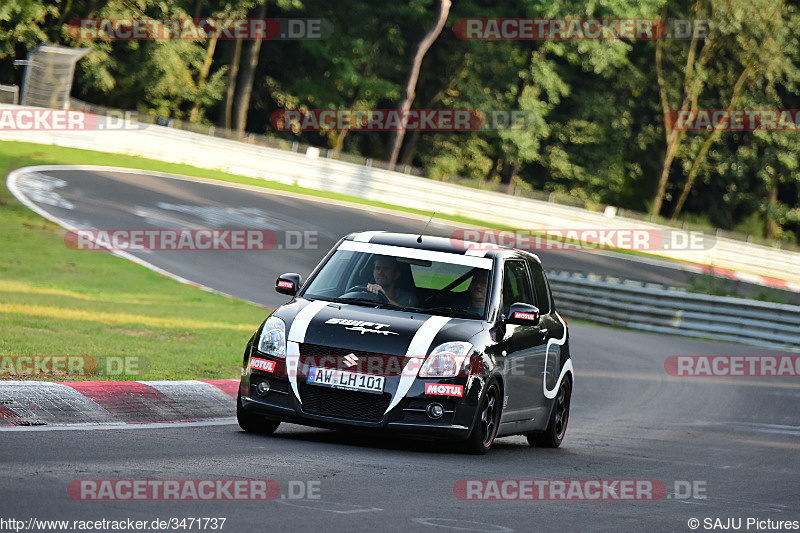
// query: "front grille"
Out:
[319,349]
[351,405]
[368,362]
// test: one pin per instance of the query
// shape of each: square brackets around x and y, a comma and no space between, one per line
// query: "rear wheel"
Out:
[557,426]
[482,437]
[253,423]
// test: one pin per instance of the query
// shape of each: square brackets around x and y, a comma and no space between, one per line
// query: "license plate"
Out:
[341,379]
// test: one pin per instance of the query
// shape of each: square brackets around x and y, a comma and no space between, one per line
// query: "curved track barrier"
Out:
[660,309]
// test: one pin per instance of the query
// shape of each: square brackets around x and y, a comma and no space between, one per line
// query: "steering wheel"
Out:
[361,291]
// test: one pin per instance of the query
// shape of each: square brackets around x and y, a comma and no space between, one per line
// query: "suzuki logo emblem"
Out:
[350,359]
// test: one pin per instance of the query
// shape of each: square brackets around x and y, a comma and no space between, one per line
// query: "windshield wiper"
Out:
[382,305]
[356,301]
[387,305]
[451,310]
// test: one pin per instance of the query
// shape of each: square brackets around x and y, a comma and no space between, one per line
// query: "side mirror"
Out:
[523,314]
[288,283]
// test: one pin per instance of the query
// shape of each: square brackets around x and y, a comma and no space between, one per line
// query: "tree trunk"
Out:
[509,174]
[498,164]
[413,75]
[202,79]
[701,156]
[242,104]
[338,141]
[771,228]
[691,93]
[233,73]
[198,8]
[410,148]
[512,172]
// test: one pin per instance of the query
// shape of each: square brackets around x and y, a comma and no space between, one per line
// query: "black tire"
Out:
[253,423]
[557,425]
[482,437]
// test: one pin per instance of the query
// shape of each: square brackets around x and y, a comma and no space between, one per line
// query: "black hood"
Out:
[374,330]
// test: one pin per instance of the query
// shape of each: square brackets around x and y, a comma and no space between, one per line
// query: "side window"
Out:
[540,286]
[516,285]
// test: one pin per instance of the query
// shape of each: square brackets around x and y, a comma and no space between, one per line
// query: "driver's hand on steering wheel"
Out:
[374,288]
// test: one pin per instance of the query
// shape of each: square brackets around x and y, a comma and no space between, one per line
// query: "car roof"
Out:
[437,244]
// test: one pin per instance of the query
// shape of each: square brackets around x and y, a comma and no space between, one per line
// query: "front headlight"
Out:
[446,361]
[273,338]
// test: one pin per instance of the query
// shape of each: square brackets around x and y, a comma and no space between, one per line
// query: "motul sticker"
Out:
[438,389]
[286,284]
[524,316]
[262,364]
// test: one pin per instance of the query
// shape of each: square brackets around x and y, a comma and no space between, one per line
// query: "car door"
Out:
[550,327]
[524,364]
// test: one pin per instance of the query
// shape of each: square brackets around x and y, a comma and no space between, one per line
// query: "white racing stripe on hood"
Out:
[417,349]
[297,334]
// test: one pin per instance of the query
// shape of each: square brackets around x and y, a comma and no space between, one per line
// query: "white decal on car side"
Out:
[297,334]
[550,394]
[417,351]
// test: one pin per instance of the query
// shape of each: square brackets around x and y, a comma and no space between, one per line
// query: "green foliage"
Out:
[713,285]
[593,129]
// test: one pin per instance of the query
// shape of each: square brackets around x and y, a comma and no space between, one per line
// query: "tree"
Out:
[742,50]
[413,76]
[245,85]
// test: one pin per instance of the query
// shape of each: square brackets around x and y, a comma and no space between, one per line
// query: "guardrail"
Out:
[311,171]
[656,308]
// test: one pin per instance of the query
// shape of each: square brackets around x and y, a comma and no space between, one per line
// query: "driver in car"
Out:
[477,292]
[386,273]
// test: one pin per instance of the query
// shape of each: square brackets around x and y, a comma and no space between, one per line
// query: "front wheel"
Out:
[482,437]
[557,426]
[253,423]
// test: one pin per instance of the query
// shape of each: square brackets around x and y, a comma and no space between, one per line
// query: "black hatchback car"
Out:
[425,336]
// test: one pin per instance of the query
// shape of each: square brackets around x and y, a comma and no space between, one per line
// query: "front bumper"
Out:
[342,409]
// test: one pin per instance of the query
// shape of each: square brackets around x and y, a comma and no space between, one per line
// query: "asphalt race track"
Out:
[722,448]
[306,228]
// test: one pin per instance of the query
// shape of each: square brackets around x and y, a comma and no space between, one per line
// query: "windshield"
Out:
[380,280]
